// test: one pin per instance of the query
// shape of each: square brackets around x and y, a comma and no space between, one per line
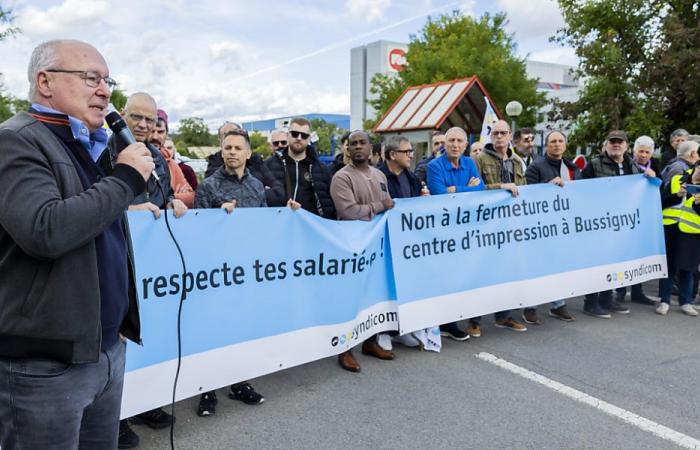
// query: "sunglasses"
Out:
[299,134]
[279,143]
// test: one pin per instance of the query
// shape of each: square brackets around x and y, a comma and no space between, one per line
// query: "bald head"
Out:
[71,77]
[359,148]
[140,115]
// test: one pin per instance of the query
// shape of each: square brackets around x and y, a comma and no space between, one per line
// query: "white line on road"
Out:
[652,427]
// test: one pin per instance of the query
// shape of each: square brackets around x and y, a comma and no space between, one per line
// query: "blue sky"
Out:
[249,59]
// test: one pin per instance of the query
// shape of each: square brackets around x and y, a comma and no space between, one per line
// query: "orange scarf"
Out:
[182,189]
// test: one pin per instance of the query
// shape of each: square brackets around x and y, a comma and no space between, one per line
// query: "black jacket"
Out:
[393,182]
[48,227]
[544,170]
[320,181]
[603,166]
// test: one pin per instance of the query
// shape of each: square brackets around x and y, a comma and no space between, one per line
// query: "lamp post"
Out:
[513,109]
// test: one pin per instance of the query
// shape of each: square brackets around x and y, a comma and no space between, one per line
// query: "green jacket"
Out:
[490,166]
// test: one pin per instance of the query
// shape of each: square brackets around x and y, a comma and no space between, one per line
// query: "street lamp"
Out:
[513,109]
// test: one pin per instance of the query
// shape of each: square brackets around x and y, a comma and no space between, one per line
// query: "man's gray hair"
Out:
[694,137]
[686,148]
[393,144]
[678,132]
[44,56]
[643,141]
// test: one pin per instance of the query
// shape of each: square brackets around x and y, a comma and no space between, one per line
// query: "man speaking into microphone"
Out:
[67,296]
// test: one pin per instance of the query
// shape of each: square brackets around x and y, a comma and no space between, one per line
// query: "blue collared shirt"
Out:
[441,175]
[95,143]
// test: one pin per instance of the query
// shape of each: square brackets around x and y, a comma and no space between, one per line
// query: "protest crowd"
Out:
[70,91]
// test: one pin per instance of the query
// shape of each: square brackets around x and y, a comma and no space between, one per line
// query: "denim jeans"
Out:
[49,404]
[685,288]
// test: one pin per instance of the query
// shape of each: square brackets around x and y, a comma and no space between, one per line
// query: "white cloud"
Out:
[468,7]
[369,10]
[532,18]
[62,18]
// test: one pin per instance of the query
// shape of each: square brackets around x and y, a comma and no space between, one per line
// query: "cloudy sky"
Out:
[248,59]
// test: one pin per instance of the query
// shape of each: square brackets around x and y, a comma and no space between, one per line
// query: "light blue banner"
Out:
[269,288]
[252,274]
[464,242]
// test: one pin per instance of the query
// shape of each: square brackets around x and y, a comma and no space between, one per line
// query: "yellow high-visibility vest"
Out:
[689,220]
[672,214]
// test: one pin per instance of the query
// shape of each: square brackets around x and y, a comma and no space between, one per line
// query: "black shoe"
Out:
[621,297]
[596,311]
[452,331]
[156,419]
[643,300]
[245,393]
[127,437]
[207,404]
[616,307]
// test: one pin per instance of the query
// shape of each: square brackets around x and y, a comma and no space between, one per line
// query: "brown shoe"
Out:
[370,347]
[348,362]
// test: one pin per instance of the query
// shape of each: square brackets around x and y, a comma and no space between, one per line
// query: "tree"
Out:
[457,46]
[118,99]
[9,105]
[325,132]
[636,60]
[7,29]
[194,132]
[259,144]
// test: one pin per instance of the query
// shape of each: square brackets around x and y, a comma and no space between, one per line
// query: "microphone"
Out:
[116,123]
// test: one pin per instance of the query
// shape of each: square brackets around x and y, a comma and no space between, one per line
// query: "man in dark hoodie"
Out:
[304,178]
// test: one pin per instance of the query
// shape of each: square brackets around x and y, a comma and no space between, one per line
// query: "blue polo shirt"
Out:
[441,175]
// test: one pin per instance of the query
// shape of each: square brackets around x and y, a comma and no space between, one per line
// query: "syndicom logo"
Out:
[633,274]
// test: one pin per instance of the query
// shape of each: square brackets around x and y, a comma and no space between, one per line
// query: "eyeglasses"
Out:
[500,133]
[299,134]
[150,121]
[438,143]
[92,79]
[528,139]
[408,152]
[279,143]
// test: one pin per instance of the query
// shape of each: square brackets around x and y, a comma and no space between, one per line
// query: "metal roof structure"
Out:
[438,106]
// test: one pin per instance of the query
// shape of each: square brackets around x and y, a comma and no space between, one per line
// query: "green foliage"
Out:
[6,27]
[260,145]
[9,105]
[195,133]
[325,131]
[457,46]
[637,59]
[118,99]
[181,147]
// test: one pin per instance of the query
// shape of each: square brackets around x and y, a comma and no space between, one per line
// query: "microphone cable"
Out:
[183,296]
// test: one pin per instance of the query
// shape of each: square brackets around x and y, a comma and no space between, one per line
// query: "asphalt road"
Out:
[644,363]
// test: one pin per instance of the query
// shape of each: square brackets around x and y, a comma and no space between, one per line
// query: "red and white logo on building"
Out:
[397,59]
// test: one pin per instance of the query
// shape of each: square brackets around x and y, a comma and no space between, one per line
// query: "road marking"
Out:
[652,427]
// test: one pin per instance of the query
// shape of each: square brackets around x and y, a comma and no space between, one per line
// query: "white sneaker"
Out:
[662,309]
[384,341]
[689,310]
